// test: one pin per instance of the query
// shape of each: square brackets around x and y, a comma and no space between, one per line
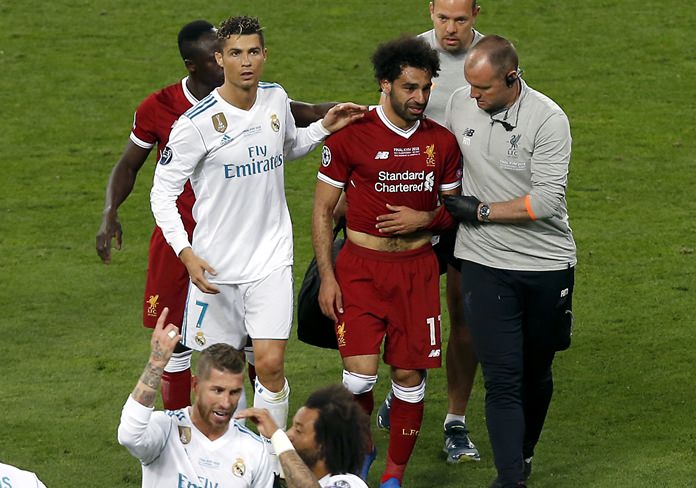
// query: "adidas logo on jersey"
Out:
[382,155]
[225,140]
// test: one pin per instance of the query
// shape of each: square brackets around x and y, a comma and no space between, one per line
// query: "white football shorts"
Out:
[260,309]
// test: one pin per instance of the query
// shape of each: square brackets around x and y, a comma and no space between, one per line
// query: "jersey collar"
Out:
[187,93]
[397,130]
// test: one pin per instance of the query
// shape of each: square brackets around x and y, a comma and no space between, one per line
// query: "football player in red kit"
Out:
[393,164]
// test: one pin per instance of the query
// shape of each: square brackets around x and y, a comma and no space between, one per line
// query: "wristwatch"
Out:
[484,212]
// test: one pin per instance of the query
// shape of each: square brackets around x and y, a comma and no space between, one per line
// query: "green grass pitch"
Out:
[72,347]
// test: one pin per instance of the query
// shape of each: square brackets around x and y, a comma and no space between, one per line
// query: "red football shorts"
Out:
[166,284]
[394,295]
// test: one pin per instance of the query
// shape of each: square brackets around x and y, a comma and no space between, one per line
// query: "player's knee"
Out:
[409,394]
[269,364]
[358,383]
[180,361]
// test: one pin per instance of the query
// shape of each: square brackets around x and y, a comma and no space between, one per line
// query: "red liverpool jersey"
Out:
[378,163]
[152,124]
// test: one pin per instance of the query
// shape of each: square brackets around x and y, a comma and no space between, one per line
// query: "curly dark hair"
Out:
[392,57]
[222,357]
[190,34]
[240,26]
[341,430]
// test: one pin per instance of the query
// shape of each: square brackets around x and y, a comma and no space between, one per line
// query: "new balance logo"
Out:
[435,353]
[382,155]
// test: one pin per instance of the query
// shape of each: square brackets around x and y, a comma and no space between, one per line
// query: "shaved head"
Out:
[496,51]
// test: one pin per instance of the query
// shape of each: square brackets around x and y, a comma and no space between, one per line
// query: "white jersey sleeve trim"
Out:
[139,142]
[450,186]
[329,181]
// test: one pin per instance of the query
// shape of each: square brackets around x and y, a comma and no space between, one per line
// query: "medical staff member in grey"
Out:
[515,243]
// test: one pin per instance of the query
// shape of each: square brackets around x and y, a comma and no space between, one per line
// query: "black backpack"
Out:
[313,327]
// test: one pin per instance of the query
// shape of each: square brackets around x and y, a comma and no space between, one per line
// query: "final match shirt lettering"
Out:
[377,163]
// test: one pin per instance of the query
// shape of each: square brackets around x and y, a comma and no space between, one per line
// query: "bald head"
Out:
[490,68]
[494,51]
[470,4]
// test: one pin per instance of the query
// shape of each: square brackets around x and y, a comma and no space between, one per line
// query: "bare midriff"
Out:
[389,243]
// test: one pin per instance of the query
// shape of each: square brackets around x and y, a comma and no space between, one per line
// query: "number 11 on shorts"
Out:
[431,324]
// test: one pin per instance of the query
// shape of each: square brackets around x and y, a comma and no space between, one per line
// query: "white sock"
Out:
[275,403]
[452,417]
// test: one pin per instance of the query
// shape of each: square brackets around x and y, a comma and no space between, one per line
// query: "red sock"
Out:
[176,389]
[405,419]
[366,401]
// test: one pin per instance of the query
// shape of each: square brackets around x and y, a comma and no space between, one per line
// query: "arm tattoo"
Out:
[144,397]
[152,376]
[297,474]
[157,352]
[146,389]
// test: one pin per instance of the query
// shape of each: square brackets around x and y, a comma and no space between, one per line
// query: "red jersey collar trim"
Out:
[187,93]
[396,130]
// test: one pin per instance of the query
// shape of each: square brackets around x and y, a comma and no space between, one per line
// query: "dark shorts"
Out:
[444,250]
[392,295]
[166,284]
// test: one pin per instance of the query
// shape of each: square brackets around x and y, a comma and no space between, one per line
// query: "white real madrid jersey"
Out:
[235,159]
[341,481]
[11,477]
[174,453]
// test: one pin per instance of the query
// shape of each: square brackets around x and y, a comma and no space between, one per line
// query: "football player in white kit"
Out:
[18,478]
[233,146]
[330,433]
[200,445]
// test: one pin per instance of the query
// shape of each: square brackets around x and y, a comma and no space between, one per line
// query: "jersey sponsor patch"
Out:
[219,122]
[325,156]
[166,156]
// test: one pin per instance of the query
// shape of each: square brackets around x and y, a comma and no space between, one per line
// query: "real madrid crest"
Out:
[184,434]
[239,468]
[219,122]
[200,339]
[275,123]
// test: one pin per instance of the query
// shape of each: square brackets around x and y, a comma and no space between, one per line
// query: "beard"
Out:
[309,457]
